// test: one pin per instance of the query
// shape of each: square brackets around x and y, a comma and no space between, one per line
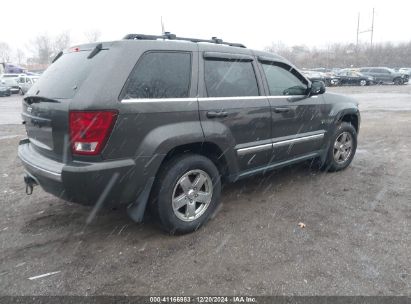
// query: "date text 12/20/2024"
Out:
[200,299]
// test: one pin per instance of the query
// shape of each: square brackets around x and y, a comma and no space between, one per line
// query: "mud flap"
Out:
[136,210]
[30,183]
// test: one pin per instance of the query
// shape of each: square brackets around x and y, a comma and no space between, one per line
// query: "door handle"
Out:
[281,110]
[214,114]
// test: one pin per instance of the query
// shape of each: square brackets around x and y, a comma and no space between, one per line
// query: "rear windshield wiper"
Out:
[36,99]
[57,57]
[95,51]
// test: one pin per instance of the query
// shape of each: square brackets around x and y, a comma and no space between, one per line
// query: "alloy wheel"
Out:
[192,195]
[343,147]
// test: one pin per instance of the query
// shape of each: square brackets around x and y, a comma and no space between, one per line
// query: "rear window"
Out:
[65,76]
[230,78]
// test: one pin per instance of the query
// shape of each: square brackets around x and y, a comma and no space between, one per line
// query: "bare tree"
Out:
[5,52]
[92,35]
[20,55]
[42,48]
[341,55]
[61,42]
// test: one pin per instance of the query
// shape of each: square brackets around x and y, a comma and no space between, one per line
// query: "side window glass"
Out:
[230,78]
[282,81]
[159,75]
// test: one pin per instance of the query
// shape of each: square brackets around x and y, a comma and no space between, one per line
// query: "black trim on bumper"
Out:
[84,182]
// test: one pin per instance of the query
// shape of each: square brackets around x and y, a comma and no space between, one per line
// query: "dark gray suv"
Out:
[164,121]
[385,75]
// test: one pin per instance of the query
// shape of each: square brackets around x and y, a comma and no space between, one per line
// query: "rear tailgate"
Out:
[46,107]
[46,125]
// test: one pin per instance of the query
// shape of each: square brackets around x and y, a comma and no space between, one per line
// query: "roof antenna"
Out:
[162,26]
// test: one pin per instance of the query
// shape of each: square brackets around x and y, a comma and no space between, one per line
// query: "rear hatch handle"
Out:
[36,99]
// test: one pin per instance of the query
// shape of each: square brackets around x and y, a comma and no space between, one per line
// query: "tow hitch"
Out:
[30,183]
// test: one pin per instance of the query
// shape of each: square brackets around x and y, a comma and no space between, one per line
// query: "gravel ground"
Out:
[357,238]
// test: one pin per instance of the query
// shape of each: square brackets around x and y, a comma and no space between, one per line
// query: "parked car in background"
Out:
[330,75]
[329,79]
[385,75]
[25,83]
[12,75]
[11,83]
[4,90]
[313,75]
[406,71]
[350,77]
[327,70]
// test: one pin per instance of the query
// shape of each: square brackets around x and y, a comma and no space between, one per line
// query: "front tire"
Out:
[343,145]
[186,193]
[363,83]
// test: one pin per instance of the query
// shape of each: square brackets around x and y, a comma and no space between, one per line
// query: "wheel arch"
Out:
[351,116]
[218,155]
[352,119]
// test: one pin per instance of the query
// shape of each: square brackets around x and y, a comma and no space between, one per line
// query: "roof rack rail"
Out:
[169,36]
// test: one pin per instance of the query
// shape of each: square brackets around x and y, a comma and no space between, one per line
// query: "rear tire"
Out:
[186,193]
[398,81]
[363,83]
[343,145]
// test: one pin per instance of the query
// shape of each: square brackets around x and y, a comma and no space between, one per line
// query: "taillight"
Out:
[89,130]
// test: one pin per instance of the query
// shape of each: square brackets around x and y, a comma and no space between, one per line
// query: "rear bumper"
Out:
[85,182]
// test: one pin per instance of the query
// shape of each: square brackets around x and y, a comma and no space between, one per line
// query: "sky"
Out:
[256,23]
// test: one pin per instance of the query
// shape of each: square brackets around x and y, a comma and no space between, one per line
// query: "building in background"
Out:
[35,68]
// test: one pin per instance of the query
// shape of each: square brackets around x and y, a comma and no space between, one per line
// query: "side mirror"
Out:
[317,88]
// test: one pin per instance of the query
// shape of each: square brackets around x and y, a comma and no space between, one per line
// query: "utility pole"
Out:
[371,30]
[358,28]
[372,26]
[162,26]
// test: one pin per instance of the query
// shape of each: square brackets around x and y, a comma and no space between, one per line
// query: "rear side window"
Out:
[284,80]
[230,78]
[159,75]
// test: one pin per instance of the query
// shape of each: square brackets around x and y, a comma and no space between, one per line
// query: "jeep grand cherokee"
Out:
[162,121]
